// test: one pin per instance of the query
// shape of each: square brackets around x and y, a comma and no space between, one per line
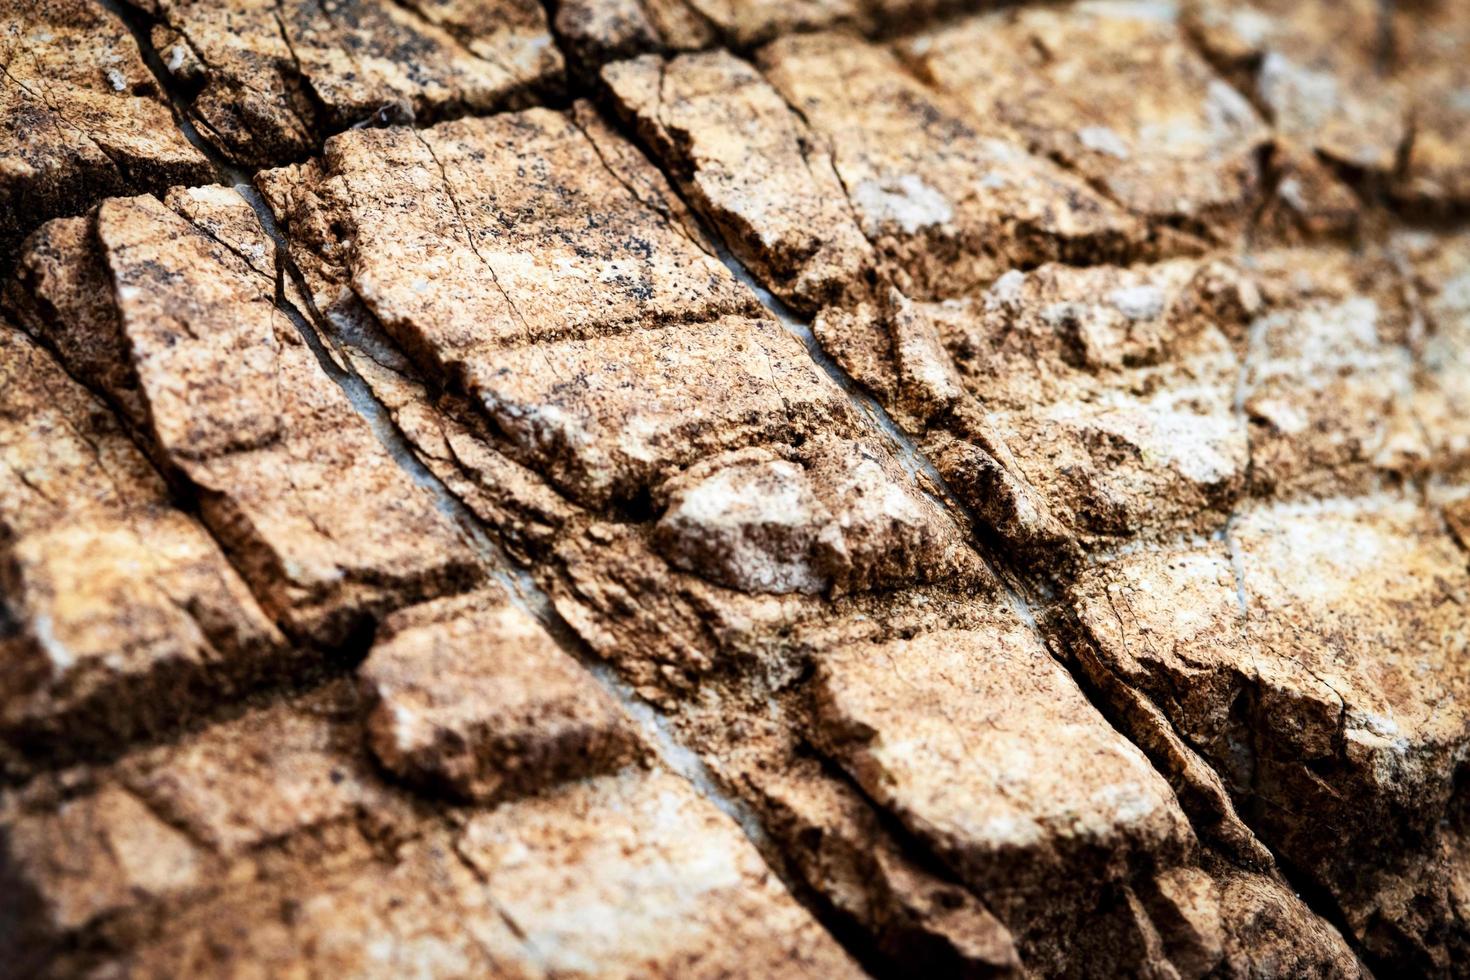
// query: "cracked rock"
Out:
[230,399]
[126,614]
[81,117]
[472,696]
[267,81]
[1115,92]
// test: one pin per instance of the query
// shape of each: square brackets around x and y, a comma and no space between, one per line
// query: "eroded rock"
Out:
[268,81]
[472,696]
[1117,93]
[81,117]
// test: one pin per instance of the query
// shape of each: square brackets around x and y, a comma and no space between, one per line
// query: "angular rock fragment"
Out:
[1315,658]
[839,516]
[81,117]
[126,616]
[928,727]
[270,841]
[326,527]
[421,912]
[948,204]
[1116,93]
[1111,390]
[753,168]
[268,81]
[472,696]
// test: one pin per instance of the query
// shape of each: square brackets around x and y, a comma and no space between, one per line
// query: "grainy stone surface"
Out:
[267,81]
[81,117]
[859,487]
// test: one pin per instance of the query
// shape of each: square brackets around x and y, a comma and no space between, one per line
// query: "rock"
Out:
[231,400]
[268,82]
[127,617]
[471,696]
[948,203]
[81,117]
[1067,80]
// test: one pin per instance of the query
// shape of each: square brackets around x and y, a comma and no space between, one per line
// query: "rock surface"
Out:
[856,488]
[81,117]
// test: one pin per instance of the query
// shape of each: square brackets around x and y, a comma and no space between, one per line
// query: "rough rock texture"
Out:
[124,614]
[471,696]
[1116,93]
[266,80]
[81,117]
[861,487]
[229,399]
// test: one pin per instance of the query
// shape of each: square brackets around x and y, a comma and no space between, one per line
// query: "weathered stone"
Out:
[948,205]
[1439,275]
[269,80]
[127,616]
[635,875]
[232,400]
[1329,381]
[1111,390]
[1314,658]
[752,167]
[1429,40]
[470,695]
[1115,92]
[81,117]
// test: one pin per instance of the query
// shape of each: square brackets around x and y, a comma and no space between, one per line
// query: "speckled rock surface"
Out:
[266,82]
[722,488]
[81,117]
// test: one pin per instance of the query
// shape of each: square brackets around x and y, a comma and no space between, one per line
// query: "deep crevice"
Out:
[522,587]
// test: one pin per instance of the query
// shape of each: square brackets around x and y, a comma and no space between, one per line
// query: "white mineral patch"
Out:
[1138,302]
[905,201]
[1102,139]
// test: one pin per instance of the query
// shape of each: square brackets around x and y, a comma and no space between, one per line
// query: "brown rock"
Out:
[127,617]
[635,875]
[1314,70]
[1329,384]
[472,696]
[1117,94]
[238,406]
[1312,658]
[1429,38]
[947,204]
[269,81]
[81,117]
[752,167]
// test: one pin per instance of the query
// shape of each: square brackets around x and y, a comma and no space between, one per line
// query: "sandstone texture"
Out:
[724,488]
[81,116]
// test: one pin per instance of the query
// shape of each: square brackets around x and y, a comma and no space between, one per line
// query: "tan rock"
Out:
[81,117]
[269,81]
[1111,389]
[127,616]
[1329,383]
[239,406]
[1314,70]
[1117,94]
[1429,38]
[472,696]
[753,168]
[947,204]
[635,875]
[1437,271]
[1314,659]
